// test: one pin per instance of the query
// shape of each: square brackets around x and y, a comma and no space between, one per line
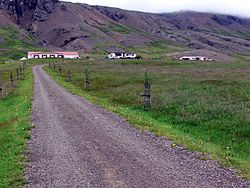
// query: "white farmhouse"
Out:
[122,55]
[42,55]
[196,58]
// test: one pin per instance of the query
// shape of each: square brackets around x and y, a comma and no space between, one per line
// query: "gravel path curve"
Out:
[77,144]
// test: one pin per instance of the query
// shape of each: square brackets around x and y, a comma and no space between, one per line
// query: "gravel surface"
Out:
[77,144]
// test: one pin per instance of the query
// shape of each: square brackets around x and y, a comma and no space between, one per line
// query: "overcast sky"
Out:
[234,7]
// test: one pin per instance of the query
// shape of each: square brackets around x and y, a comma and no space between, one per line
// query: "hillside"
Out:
[96,29]
[14,43]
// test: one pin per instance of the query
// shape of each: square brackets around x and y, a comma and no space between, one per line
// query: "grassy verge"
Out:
[202,106]
[14,132]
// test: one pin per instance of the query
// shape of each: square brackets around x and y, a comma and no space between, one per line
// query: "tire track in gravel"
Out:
[77,144]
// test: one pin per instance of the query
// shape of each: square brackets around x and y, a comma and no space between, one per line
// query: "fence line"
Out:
[145,95]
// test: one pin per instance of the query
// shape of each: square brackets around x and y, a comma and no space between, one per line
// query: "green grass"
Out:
[14,131]
[15,44]
[242,58]
[115,27]
[5,71]
[120,28]
[202,106]
[159,49]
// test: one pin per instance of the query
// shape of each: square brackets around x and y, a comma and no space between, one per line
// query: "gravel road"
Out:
[77,144]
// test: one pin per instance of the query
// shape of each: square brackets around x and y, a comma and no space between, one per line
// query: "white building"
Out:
[196,58]
[42,55]
[122,55]
[23,59]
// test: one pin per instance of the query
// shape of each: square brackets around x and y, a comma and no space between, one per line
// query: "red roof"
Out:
[59,53]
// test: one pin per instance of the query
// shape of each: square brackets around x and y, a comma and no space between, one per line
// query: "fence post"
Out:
[54,67]
[147,93]
[1,90]
[20,72]
[11,79]
[60,71]
[49,65]
[17,73]
[69,76]
[87,80]
[24,65]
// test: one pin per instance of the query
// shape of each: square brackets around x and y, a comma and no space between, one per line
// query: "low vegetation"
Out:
[120,28]
[115,27]
[158,49]
[202,106]
[14,126]
[14,44]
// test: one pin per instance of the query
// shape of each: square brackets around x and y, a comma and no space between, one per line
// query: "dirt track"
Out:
[77,144]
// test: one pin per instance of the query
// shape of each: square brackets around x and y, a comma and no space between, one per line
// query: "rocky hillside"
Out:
[95,28]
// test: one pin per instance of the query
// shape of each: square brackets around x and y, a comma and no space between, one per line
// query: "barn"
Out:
[42,55]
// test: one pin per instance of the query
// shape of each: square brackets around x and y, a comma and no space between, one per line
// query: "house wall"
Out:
[130,55]
[121,56]
[46,55]
[114,56]
[71,56]
[195,58]
[30,56]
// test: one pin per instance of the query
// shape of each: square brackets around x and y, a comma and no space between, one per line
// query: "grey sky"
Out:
[235,7]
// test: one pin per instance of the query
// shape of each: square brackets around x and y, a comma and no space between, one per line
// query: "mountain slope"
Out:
[14,41]
[96,28]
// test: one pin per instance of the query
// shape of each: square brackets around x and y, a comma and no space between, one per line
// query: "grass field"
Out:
[5,83]
[14,126]
[202,106]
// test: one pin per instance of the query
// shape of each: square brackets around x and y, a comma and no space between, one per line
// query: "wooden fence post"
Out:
[87,80]
[17,74]
[60,71]
[20,70]
[147,93]
[1,90]
[24,65]
[69,76]
[11,79]
[49,65]
[54,67]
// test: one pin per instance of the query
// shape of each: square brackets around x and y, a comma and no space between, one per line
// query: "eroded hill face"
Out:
[95,28]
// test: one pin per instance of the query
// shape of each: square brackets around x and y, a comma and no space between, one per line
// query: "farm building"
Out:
[196,58]
[122,55]
[42,55]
